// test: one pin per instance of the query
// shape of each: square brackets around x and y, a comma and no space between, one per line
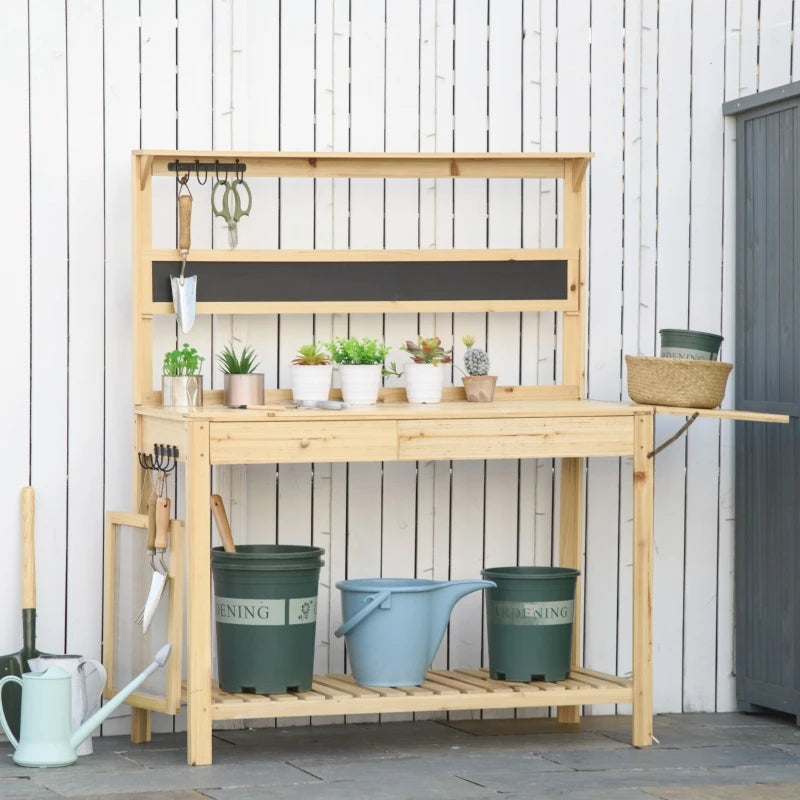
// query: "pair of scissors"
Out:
[231,209]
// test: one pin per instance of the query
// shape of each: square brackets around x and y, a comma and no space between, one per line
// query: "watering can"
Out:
[393,626]
[46,738]
[88,682]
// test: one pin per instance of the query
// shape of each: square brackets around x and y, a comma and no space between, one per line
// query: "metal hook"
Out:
[164,459]
[238,172]
[197,173]
[184,184]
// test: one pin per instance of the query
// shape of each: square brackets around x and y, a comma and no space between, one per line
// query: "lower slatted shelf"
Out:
[443,690]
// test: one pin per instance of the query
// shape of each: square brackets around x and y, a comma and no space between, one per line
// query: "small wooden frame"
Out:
[170,703]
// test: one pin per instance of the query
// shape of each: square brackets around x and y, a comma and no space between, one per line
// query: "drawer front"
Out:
[533,437]
[284,442]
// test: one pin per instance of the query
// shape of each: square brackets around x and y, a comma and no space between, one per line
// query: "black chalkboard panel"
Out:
[315,281]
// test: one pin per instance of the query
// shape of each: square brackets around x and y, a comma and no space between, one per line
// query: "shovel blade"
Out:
[153,599]
[184,298]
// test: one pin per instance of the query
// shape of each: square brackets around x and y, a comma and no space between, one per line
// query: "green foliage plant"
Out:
[357,351]
[232,364]
[183,361]
[311,355]
[428,350]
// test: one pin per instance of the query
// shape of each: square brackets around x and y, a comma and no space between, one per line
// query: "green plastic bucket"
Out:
[692,345]
[529,622]
[265,607]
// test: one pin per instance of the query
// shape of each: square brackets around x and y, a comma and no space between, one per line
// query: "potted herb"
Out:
[360,365]
[478,384]
[311,374]
[424,373]
[243,385]
[181,381]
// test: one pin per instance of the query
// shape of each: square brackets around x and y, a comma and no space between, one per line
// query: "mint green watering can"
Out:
[46,738]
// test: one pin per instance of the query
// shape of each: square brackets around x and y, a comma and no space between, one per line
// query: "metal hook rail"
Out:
[164,458]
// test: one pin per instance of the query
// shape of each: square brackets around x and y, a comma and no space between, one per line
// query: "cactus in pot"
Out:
[478,383]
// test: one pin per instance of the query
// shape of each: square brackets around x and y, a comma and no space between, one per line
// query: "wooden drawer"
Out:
[532,437]
[282,442]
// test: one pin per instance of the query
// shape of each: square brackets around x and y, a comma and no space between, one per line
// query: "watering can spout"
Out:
[447,594]
[97,719]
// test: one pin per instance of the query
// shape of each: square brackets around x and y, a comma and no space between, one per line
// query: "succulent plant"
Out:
[311,355]
[232,364]
[476,359]
[428,351]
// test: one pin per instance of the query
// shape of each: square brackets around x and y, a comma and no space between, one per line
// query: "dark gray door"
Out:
[767,373]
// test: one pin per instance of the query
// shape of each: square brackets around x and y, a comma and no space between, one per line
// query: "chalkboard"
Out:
[317,281]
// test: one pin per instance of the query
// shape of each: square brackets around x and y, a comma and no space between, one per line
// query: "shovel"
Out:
[17,663]
[223,526]
[184,287]
[160,571]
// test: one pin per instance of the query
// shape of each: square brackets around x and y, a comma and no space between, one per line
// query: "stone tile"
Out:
[588,794]
[412,787]
[750,791]
[22,788]
[660,757]
[72,782]
[524,726]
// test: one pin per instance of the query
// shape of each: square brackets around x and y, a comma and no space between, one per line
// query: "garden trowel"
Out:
[160,571]
[184,287]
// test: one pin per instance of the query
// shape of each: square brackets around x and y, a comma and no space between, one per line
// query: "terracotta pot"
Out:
[244,390]
[479,388]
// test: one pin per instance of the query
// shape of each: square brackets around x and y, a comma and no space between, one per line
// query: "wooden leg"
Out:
[140,725]
[571,513]
[198,594]
[643,581]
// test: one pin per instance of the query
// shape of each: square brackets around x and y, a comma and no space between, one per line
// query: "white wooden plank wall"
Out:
[639,83]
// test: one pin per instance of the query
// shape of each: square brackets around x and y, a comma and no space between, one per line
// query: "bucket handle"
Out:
[370,606]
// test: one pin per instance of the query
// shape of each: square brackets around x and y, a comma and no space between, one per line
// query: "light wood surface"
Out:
[28,549]
[523,422]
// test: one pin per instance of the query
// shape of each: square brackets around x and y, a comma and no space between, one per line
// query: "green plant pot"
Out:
[265,606]
[529,618]
[692,345]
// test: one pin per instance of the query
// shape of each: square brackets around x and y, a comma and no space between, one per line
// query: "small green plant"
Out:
[312,355]
[428,351]
[476,360]
[232,364]
[357,351]
[184,361]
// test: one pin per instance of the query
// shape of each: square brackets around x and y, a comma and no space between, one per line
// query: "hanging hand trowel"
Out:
[160,571]
[184,287]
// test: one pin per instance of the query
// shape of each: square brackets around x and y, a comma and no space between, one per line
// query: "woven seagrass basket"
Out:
[677,381]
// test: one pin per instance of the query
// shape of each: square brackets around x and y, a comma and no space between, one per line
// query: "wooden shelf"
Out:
[443,690]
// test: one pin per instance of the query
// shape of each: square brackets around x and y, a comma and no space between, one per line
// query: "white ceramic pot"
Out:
[360,383]
[424,382]
[243,390]
[311,382]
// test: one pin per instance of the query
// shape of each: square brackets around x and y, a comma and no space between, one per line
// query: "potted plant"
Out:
[478,384]
[424,374]
[311,374]
[181,381]
[360,365]
[243,385]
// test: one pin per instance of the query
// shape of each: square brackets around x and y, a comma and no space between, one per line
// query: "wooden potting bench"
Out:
[523,421]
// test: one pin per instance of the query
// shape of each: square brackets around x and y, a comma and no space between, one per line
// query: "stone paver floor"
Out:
[698,757]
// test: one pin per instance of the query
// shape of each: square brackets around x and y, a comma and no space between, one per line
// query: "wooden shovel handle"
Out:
[151,524]
[162,523]
[223,526]
[28,550]
[184,222]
